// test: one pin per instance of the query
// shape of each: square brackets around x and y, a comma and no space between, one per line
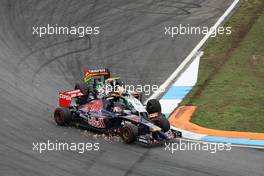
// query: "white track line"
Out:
[174,75]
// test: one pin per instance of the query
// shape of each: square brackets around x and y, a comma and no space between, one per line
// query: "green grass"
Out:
[230,89]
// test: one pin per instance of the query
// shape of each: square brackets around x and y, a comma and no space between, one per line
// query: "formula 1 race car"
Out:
[122,113]
[114,113]
[98,83]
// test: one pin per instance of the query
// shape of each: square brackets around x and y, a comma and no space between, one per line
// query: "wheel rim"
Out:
[125,134]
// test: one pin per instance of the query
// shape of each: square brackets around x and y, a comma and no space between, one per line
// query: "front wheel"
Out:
[62,116]
[129,133]
[153,106]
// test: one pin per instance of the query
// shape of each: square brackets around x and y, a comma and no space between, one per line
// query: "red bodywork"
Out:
[66,97]
[94,106]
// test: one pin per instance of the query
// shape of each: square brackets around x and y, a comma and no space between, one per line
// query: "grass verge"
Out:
[230,89]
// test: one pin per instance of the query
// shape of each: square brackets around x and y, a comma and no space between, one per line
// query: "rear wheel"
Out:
[153,106]
[62,116]
[162,122]
[129,133]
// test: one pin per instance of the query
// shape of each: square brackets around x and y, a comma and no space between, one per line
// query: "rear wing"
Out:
[89,74]
[65,98]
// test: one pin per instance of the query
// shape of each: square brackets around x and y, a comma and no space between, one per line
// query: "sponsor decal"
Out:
[66,97]
[170,134]
[94,106]
[96,122]
[90,73]
[143,140]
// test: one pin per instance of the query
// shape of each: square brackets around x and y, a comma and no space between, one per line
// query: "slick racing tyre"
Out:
[62,116]
[153,106]
[162,122]
[129,133]
[82,87]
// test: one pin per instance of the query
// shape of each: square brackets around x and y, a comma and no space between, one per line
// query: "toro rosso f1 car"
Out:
[115,112]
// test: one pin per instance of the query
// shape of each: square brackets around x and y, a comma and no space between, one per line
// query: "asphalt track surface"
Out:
[131,44]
